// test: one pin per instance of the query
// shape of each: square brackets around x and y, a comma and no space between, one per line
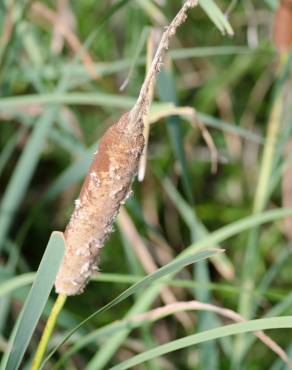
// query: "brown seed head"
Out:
[109,180]
[104,190]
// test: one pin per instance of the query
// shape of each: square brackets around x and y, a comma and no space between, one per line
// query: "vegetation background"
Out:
[62,65]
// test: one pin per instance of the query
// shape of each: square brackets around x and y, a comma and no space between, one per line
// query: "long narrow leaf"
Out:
[170,268]
[35,302]
[216,16]
[16,282]
[24,171]
[211,240]
[253,325]
[167,92]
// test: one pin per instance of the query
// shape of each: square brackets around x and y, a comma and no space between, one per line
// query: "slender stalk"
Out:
[141,108]
[42,346]
[246,304]
[268,156]
[143,159]
[260,199]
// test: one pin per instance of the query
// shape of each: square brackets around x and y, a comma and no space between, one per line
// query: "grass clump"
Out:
[217,123]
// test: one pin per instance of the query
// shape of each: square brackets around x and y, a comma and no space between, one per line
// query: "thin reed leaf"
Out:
[149,279]
[24,171]
[167,93]
[260,202]
[216,16]
[16,283]
[284,322]
[7,151]
[109,348]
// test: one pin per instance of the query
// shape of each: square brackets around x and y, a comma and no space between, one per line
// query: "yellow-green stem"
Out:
[42,346]
[268,156]
[261,195]
[260,200]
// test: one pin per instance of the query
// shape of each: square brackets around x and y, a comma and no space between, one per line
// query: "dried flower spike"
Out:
[108,181]
[105,188]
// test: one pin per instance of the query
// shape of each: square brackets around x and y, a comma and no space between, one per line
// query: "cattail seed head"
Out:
[109,180]
[104,190]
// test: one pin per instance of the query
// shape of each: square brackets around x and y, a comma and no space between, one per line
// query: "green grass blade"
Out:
[16,282]
[219,124]
[105,100]
[101,358]
[110,12]
[170,268]
[78,169]
[111,100]
[213,239]
[113,328]
[20,281]
[206,320]
[189,216]
[270,275]
[109,348]
[72,174]
[8,150]
[283,322]
[267,166]
[216,16]
[277,310]
[24,170]
[35,302]
[107,68]
[167,92]
[272,3]
[278,364]
[140,45]
[201,52]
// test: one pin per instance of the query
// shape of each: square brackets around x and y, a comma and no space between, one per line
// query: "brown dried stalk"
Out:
[148,262]
[108,181]
[151,45]
[161,312]
[142,105]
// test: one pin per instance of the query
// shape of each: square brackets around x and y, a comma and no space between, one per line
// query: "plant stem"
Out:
[246,303]
[42,346]
[268,156]
[260,200]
